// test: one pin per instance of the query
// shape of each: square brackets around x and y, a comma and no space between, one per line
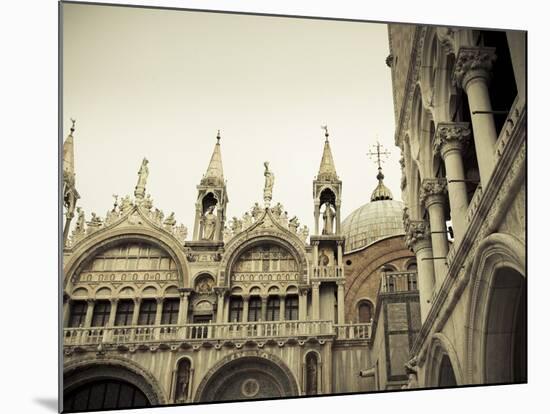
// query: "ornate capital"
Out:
[432,191]
[220,291]
[185,292]
[451,136]
[303,290]
[473,61]
[418,233]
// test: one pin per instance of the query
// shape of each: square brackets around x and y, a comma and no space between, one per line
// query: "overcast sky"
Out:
[160,83]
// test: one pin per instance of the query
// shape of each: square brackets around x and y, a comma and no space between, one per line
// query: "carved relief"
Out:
[451,135]
[470,59]
[432,187]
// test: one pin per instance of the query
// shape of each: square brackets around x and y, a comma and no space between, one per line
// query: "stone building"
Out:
[247,308]
[460,111]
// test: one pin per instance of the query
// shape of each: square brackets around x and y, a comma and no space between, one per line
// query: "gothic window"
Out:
[365,311]
[273,307]
[170,311]
[147,312]
[78,313]
[291,308]
[124,312]
[254,309]
[102,310]
[311,373]
[235,309]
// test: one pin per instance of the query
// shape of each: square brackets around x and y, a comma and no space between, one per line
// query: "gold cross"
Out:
[378,153]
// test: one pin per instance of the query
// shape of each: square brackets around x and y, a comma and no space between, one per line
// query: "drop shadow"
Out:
[49,403]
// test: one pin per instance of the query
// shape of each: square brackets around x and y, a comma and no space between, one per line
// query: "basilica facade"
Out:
[248,308]
[460,110]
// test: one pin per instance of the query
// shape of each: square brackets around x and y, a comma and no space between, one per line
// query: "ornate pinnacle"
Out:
[325,127]
[218,137]
[72,126]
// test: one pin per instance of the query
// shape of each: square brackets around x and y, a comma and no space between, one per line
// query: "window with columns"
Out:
[291,308]
[273,308]
[124,312]
[77,313]
[102,310]
[170,311]
[254,309]
[147,312]
[235,309]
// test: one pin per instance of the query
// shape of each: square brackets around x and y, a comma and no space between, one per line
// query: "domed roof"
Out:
[372,222]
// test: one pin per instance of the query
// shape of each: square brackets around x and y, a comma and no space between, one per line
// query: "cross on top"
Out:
[380,151]
[325,127]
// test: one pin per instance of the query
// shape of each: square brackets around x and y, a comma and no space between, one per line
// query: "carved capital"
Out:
[451,136]
[473,62]
[418,233]
[185,292]
[220,291]
[303,290]
[433,191]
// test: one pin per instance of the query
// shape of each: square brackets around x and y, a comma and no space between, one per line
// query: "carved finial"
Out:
[325,127]
[218,137]
[115,196]
[72,126]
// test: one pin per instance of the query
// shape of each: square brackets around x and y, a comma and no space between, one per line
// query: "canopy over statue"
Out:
[268,187]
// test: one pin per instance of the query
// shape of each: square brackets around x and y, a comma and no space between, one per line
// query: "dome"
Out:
[372,222]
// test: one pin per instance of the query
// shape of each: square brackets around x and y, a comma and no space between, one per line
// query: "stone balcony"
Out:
[130,338]
[327,273]
[398,282]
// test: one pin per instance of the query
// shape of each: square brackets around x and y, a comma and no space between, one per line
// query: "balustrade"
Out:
[393,282]
[328,272]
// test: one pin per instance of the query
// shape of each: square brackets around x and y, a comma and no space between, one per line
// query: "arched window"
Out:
[254,309]
[312,373]
[104,394]
[291,307]
[78,313]
[170,311]
[365,311]
[102,310]
[124,312]
[273,307]
[235,309]
[147,312]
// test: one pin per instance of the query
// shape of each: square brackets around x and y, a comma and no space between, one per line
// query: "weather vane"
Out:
[378,154]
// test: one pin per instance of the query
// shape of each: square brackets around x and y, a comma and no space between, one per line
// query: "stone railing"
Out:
[354,331]
[328,272]
[395,282]
[121,335]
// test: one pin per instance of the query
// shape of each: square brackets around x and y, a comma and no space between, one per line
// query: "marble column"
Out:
[66,310]
[198,216]
[158,315]
[337,226]
[419,240]
[184,306]
[341,303]
[282,307]
[472,72]
[89,313]
[450,138]
[245,307]
[112,315]
[302,302]
[263,311]
[315,245]
[316,213]
[315,300]
[339,253]
[135,315]
[432,195]
[221,305]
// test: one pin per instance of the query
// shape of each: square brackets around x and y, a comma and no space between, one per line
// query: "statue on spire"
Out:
[268,187]
[143,173]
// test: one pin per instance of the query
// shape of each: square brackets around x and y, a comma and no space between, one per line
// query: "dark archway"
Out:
[446,377]
[104,394]
[506,329]
[247,378]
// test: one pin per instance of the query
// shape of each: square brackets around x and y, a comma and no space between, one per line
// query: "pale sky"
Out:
[160,83]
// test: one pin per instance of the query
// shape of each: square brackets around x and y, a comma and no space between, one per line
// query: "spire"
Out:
[327,170]
[68,153]
[70,194]
[381,192]
[214,173]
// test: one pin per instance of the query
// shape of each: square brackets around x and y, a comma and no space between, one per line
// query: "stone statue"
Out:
[143,174]
[269,181]
[94,224]
[311,375]
[284,219]
[304,233]
[323,259]
[158,216]
[180,232]
[256,211]
[80,221]
[277,210]
[294,224]
[227,234]
[236,226]
[148,202]
[209,220]
[412,371]
[170,220]
[247,220]
[182,382]
[125,204]
[328,218]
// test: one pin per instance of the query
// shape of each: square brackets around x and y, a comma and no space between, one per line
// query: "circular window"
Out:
[348,262]
[250,387]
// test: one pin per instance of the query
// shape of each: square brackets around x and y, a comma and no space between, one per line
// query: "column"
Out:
[221,304]
[517,43]
[316,211]
[432,195]
[112,315]
[339,253]
[66,309]
[245,307]
[135,316]
[198,214]
[263,313]
[89,313]
[158,316]
[302,302]
[315,300]
[472,73]
[418,239]
[450,138]
[184,306]
[341,303]
[282,307]
[337,227]
[315,245]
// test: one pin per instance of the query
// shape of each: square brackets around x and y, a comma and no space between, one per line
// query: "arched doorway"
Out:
[104,394]
[247,378]
[506,329]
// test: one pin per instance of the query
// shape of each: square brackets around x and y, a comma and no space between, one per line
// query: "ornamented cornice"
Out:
[451,136]
[470,59]
[433,190]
